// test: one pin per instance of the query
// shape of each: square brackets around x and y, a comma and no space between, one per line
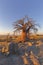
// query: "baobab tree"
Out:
[26,25]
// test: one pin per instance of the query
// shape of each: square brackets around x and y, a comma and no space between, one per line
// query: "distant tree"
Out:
[26,25]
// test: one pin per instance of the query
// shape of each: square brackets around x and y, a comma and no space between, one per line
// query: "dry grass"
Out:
[25,59]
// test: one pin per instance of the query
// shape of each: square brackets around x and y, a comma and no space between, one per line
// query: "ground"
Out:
[34,58]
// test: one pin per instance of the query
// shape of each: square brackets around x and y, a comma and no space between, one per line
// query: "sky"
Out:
[13,10]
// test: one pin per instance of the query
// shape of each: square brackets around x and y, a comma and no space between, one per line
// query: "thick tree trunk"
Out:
[24,36]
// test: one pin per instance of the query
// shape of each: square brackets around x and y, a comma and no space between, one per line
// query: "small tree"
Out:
[26,25]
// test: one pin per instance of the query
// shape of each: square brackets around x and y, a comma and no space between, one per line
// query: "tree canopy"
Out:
[26,25]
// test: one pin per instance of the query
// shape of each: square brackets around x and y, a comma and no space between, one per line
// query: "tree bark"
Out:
[24,36]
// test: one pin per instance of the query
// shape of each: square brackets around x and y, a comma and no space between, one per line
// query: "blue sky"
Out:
[12,10]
